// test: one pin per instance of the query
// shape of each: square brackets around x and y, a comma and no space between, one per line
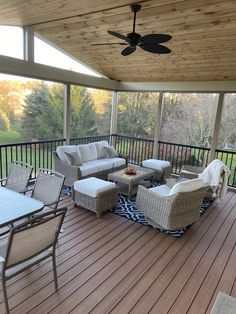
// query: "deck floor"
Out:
[114,265]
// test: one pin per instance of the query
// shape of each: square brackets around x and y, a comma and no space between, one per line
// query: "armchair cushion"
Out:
[187,186]
[162,190]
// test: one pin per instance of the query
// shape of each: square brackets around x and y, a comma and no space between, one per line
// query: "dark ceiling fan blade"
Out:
[105,44]
[155,38]
[119,36]
[128,50]
[155,48]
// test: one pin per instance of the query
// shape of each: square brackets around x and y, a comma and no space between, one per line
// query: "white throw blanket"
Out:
[212,176]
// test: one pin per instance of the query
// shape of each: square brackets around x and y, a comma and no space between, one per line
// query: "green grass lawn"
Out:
[8,137]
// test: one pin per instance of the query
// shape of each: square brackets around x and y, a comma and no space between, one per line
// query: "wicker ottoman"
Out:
[162,168]
[95,194]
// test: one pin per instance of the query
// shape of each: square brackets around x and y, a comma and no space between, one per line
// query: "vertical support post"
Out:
[114,116]
[28,40]
[157,134]
[215,137]
[66,129]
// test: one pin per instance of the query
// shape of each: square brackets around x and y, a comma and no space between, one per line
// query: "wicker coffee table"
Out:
[128,183]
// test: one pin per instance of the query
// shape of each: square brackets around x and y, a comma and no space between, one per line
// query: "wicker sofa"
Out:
[95,162]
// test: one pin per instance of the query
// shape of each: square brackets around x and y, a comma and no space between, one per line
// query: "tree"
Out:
[43,118]
[102,101]
[11,103]
[137,112]
[83,115]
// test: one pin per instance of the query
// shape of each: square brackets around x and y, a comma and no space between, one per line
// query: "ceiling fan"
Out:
[150,42]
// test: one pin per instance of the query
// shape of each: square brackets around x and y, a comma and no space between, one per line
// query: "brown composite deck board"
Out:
[114,265]
[143,297]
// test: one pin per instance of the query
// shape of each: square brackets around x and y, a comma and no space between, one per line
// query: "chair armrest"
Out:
[171,182]
[72,173]
[190,172]
[125,156]
[152,204]
[3,179]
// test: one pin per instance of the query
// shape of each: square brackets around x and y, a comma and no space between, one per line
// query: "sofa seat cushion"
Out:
[88,169]
[187,186]
[101,153]
[87,152]
[101,164]
[61,150]
[92,186]
[116,162]
[155,164]
[162,190]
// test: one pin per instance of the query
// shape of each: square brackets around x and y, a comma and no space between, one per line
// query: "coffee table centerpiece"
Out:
[128,179]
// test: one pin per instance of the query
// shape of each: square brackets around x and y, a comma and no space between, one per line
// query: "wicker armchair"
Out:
[170,212]
[191,172]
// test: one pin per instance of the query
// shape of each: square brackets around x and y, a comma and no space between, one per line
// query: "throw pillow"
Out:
[111,152]
[73,158]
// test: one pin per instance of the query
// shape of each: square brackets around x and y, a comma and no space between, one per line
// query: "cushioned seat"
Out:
[95,194]
[162,168]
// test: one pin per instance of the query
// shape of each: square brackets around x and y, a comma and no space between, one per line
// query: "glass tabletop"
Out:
[15,206]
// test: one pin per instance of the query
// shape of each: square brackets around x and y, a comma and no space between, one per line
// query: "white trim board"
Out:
[23,68]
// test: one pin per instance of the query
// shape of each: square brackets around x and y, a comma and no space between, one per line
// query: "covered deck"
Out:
[114,265]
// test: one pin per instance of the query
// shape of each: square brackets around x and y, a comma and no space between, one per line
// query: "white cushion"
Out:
[162,190]
[101,153]
[101,164]
[117,161]
[187,186]
[87,169]
[92,186]
[155,164]
[67,148]
[88,152]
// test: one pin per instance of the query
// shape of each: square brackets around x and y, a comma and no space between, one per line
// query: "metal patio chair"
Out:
[18,176]
[48,186]
[28,244]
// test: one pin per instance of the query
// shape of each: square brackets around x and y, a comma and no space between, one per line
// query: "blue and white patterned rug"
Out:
[126,208]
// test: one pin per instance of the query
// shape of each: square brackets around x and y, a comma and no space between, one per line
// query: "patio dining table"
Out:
[15,206]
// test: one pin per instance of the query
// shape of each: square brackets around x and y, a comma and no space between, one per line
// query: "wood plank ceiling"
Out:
[203,44]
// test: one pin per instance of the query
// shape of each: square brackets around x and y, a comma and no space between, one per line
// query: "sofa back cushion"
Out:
[101,153]
[87,152]
[67,148]
[187,186]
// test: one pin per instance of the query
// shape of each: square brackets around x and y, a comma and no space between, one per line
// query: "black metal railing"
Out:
[229,159]
[179,155]
[39,153]
[136,148]
[90,139]
[139,149]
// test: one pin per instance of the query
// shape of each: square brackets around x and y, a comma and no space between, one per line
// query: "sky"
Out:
[12,46]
